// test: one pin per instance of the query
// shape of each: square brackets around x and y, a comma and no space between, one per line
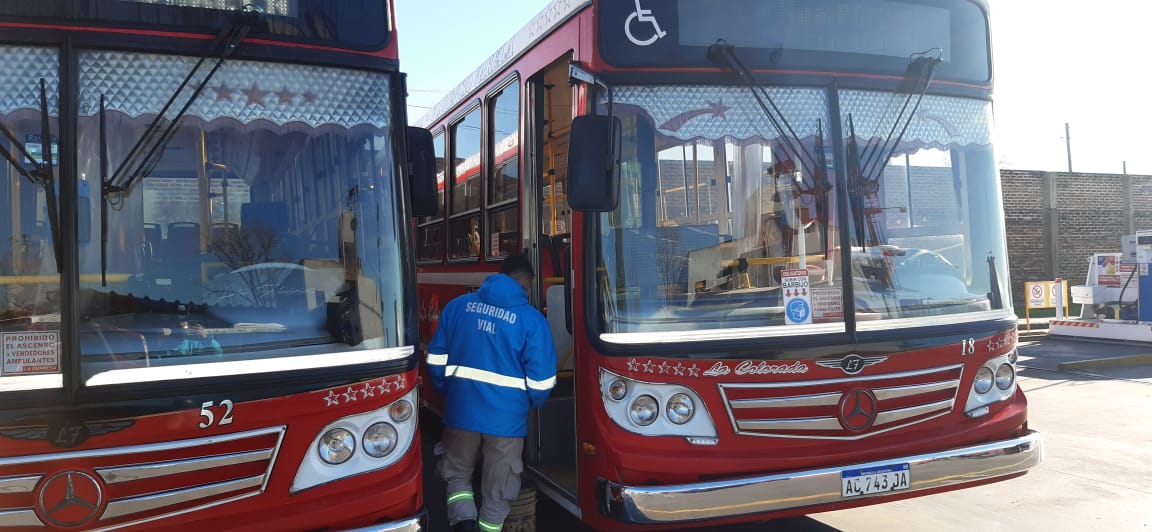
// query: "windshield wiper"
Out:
[921,71]
[724,54]
[856,187]
[155,141]
[145,155]
[865,169]
[41,173]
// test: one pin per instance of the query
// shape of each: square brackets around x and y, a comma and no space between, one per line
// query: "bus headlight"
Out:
[643,410]
[386,434]
[995,381]
[680,409]
[983,381]
[657,409]
[400,411]
[1005,376]
[618,389]
[336,446]
[380,439]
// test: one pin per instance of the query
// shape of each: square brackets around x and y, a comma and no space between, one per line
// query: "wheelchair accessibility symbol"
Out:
[643,15]
[798,311]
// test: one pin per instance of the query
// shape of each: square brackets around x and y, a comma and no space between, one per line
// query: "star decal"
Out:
[401,382]
[223,93]
[664,367]
[332,398]
[633,366]
[649,367]
[368,391]
[309,97]
[694,371]
[386,385]
[679,369]
[285,96]
[255,95]
[349,395]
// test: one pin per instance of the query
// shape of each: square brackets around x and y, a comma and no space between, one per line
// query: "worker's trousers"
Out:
[499,481]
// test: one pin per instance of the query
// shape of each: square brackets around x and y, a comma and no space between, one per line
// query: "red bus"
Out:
[203,313]
[771,247]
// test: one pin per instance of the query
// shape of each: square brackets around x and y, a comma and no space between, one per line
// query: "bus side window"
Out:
[430,237]
[503,230]
[464,197]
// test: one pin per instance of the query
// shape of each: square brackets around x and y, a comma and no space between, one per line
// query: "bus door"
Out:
[552,435]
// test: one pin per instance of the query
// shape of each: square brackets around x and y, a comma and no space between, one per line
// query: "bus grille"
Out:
[124,486]
[824,409]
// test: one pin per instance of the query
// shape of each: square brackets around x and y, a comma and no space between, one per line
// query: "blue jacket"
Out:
[492,358]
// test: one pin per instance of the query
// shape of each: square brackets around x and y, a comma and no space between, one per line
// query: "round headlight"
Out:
[983,381]
[643,410]
[1005,376]
[400,411]
[336,446]
[380,439]
[680,408]
[618,389]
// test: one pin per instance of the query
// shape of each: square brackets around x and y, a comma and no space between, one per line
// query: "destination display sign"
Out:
[823,35]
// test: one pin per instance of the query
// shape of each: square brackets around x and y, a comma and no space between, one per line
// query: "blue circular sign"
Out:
[798,310]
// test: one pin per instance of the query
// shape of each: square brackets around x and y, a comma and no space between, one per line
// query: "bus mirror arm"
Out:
[594,152]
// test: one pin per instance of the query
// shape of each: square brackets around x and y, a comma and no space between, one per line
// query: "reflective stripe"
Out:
[543,385]
[437,360]
[489,527]
[460,496]
[488,377]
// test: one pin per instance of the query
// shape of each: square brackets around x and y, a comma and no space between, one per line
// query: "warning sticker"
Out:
[797,305]
[827,303]
[30,353]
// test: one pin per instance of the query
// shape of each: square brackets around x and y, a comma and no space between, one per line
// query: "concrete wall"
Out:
[1057,220]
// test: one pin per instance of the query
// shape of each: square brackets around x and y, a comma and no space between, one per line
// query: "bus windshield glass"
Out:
[724,221]
[264,221]
[355,24]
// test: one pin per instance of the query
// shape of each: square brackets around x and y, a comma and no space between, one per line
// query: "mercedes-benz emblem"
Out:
[70,498]
[858,410]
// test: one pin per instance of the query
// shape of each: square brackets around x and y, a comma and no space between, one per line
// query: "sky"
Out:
[1057,62]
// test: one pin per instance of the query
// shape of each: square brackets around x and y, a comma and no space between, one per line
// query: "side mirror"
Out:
[594,164]
[422,172]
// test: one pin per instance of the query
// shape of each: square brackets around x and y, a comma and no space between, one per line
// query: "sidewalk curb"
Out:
[1111,362]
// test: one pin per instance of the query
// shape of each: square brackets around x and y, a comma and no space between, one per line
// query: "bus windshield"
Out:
[264,223]
[717,205]
[264,227]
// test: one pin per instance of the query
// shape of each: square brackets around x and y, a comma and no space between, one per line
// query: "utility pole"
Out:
[1068,144]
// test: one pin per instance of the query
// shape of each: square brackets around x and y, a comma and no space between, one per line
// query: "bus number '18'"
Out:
[206,413]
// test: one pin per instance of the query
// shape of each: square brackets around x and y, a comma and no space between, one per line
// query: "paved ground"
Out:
[1097,473]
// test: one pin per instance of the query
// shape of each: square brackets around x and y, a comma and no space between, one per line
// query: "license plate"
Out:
[892,477]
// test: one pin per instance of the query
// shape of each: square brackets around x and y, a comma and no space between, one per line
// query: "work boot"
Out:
[467,525]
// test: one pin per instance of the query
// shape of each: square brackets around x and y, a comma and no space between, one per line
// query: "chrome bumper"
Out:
[732,498]
[413,524]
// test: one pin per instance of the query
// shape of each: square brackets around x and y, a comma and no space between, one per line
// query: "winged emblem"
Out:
[852,364]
